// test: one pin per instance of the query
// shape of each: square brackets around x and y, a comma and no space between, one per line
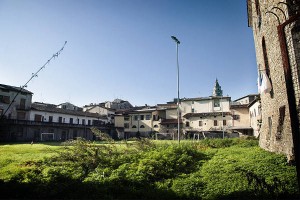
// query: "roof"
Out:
[189,115]
[239,106]
[13,88]
[53,109]
[239,127]
[170,121]
[253,102]
[93,106]
[249,95]
[205,98]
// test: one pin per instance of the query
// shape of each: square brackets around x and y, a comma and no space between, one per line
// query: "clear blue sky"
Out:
[123,49]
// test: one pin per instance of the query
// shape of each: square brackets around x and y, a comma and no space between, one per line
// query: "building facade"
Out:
[15,102]
[276,26]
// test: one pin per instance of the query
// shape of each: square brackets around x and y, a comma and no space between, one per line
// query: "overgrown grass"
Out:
[13,156]
[143,169]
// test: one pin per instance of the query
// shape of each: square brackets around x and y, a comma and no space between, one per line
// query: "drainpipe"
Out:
[290,91]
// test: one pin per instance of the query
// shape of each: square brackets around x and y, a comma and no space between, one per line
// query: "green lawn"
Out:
[12,156]
[207,169]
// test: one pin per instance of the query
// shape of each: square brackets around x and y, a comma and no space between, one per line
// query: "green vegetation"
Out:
[144,169]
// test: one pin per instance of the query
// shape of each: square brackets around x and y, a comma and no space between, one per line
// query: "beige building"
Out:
[275,26]
[255,116]
[15,102]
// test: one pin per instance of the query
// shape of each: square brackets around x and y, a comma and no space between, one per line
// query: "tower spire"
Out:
[217,91]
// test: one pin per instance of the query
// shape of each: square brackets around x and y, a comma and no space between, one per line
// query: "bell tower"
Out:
[217,91]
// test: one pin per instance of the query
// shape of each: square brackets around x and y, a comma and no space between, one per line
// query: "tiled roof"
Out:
[51,108]
[13,88]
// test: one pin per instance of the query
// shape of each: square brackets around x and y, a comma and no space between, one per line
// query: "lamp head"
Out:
[175,39]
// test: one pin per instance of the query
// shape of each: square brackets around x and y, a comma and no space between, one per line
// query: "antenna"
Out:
[33,76]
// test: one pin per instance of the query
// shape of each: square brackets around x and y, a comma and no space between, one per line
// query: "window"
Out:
[142,126]
[50,118]
[266,61]
[77,121]
[216,102]
[136,117]
[215,122]
[37,118]
[4,99]
[89,122]
[22,103]
[134,126]
[270,128]
[126,125]
[224,122]
[155,126]
[236,117]
[200,123]
[187,124]
[193,110]
[83,121]
[148,117]
[126,118]
[60,119]
[71,120]
[142,117]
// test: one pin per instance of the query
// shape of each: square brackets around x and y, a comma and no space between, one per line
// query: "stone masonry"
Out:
[264,16]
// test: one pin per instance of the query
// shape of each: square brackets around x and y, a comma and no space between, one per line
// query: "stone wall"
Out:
[275,132]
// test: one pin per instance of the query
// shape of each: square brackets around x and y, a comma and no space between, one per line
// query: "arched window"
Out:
[134,126]
[155,126]
[266,62]
[142,126]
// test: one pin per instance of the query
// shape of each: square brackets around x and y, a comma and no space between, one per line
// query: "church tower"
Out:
[217,89]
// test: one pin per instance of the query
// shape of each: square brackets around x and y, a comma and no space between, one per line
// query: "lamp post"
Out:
[178,112]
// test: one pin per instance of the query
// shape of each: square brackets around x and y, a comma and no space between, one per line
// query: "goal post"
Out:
[47,136]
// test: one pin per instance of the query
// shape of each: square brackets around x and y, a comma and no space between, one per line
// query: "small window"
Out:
[142,117]
[4,99]
[193,110]
[50,118]
[142,126]
[126,118]
[71,120]
[89,122]
[187,124]
[155,126]
[134,126]
[200,123]
[60,119]
[37,118]
[126,125]
[83,121]
[148,117]
[215,122]
[136,117]
[224,122]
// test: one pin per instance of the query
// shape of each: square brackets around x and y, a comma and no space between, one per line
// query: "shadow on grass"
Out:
[75,189]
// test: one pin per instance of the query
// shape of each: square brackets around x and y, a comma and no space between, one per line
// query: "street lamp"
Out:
[177,43]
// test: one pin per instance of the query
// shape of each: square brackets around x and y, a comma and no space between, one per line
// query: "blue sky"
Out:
[123,49]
